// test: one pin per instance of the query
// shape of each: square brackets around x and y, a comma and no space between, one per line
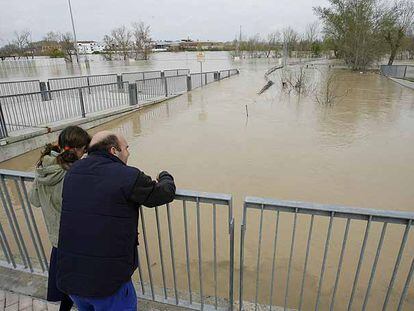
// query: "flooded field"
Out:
[357,152]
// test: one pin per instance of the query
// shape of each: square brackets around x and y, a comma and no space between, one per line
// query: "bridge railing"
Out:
[185,254]
[19,87]
[40,109]
[310,256]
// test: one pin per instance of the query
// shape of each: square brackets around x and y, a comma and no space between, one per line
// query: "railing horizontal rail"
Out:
[326,210]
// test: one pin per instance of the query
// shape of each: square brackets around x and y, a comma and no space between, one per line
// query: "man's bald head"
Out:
[107,141]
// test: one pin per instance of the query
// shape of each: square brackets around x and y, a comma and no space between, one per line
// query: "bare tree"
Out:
[109,47]
[295,80]
[67,45]
[312,32]
[398,20]
[328,93]
[22,41]
[52,36]
[273,40]
[290,38]
[122,40]
[142,40]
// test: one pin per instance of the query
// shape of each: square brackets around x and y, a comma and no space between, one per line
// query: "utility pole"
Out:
[74,32]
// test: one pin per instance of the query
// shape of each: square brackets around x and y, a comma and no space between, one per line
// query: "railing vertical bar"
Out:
[259,249]
[274,261]
[397,264]
[305,266]
[147,251]
[360,261]
[200,268]
[28,223]
[6,247]
[187,253]
[170,230]
[325,255]
[36,230]
[374,265]
[161,254]
[341,258]
[215,253]
[242,235]
[292,247]
[406,286]
[14,226]
[141,279]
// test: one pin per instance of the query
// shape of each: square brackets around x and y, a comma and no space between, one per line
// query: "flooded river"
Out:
[358,152]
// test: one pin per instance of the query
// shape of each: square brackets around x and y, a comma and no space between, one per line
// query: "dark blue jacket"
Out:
[97,248]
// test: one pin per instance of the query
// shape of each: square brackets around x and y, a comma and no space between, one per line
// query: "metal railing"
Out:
[87,95]
[170,235]
[140,75]
[39,109]
[19,87]
[80,81]
[398,71]
[326,257]
[176,72]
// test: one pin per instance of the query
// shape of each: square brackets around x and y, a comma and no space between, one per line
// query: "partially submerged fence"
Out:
[89,94]
[398,71]
[72,82]
[39,109]
[310,256]
[183,245]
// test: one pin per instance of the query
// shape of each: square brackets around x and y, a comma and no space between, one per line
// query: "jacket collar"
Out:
[105,154]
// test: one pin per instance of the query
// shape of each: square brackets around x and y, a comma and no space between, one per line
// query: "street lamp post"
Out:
[74,32]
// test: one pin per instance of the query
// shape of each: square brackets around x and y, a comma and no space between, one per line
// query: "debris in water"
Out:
[268,85]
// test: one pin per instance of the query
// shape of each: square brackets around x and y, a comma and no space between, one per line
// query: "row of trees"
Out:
[127,42]
[287,39]
[364,31]
[56,44]
[122,41]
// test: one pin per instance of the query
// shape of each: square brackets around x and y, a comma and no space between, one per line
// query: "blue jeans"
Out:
[125,299]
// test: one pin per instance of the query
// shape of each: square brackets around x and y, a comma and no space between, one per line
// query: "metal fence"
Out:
[39,109]
[176,72]
[398,71]
[295,255]
[310,256]
[80,81]
[88,94]
[19,87]
[185,254]
[140,75]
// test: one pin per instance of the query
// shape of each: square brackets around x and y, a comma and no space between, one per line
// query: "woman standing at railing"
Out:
[46,193]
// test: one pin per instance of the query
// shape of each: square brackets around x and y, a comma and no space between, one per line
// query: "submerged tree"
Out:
[354,27]
[142,40]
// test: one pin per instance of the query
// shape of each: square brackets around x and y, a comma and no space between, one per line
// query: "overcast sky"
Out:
[169,19]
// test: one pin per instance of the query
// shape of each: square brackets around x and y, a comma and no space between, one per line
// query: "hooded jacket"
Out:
[47,193]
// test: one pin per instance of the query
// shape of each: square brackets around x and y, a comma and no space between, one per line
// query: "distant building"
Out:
[88,47]
[161,45]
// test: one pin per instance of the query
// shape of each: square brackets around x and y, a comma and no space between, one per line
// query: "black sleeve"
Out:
[151,193]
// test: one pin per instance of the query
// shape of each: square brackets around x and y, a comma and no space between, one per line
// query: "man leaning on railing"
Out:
[98,240]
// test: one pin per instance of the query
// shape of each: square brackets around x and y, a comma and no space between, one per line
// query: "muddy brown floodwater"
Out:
[358,152]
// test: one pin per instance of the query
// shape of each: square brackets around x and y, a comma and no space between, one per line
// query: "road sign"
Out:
[200,57]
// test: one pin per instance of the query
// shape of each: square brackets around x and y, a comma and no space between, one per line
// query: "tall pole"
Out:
[74,33]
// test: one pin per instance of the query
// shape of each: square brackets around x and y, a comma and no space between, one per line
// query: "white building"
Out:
[88,47]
